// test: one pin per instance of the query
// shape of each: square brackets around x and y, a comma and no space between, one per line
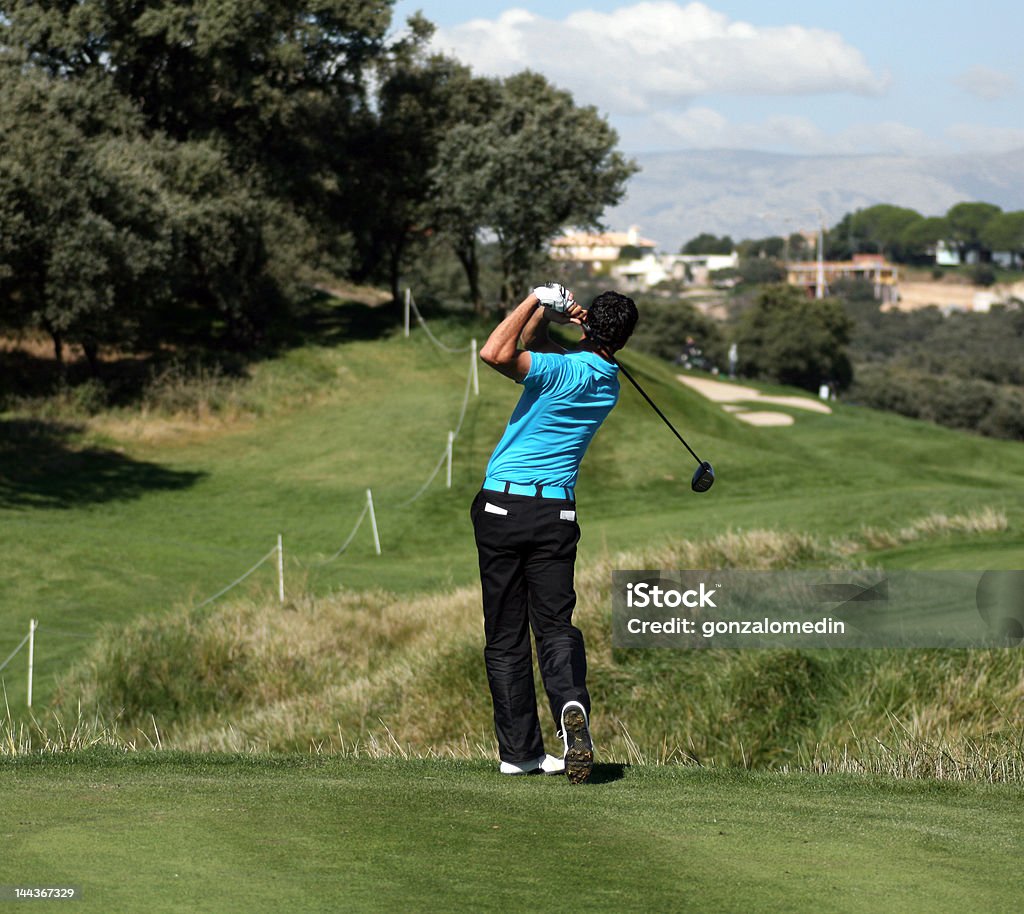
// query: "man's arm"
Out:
[527,320]
[535,334]
[500,350]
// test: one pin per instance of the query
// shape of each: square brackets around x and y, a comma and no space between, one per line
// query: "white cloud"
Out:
[654,55]
[986,83]
[704,128]
[979,138]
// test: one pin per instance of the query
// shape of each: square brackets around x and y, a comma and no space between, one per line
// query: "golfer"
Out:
[525,522]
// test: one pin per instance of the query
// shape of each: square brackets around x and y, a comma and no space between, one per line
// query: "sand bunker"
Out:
[720,392]
[731,395]
[765,418]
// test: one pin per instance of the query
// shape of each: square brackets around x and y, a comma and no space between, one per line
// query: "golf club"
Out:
[704,477]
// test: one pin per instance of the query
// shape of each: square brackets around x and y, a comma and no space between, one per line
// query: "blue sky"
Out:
[828,77]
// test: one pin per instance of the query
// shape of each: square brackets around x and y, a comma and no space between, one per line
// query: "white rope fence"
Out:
[423,488]
[367,509]
[277,552]
[447,454]
[30,639]
[14,653]
[62,634]
[410,306]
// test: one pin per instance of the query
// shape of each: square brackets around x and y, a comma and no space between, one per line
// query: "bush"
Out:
[995,410]
[664,328]
[983,275]
[762,270]
[87,398]
[726,277]
[1006,417]
[972,346]
[789,338]
[197,390]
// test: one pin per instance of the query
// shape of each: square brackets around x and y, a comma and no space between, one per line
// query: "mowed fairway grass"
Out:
[103,530]
[171,832]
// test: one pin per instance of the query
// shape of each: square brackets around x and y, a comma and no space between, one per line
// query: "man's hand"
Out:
[574,314]
[555,297]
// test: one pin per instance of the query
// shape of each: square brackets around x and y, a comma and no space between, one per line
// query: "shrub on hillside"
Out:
[789,338]
[971,345]
[995,410]
[665,327]
[762,270]
[982,274]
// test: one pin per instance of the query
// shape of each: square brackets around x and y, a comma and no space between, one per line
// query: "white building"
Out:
[643,273]
[947,255]
[651,269]
[599,249]
[701,266]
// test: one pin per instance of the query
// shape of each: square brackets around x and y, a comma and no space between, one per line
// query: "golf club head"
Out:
[703,478]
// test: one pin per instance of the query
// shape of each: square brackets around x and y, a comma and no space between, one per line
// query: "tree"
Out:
[789,338]
[840,241]
[234,250]
[278,86]
[880,228]
[81,237]
[665,328]
[539,163]
[877,229]
[762,270]
[459,187]
[1005,232]
[967,221]
[773,246]
[110,237]
[706,243]
[920,237]
[632,252]
[418,100]
[799,247]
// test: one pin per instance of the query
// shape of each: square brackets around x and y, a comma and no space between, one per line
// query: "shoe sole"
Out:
[579,757]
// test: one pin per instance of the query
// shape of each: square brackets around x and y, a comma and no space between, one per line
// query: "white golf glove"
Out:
[552,295]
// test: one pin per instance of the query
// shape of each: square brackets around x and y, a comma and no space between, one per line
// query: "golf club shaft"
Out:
[654,406]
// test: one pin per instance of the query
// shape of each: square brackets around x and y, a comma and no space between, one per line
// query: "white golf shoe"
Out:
[552,764]
[546,764]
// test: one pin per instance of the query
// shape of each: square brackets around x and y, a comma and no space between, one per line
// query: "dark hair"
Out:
[611,318]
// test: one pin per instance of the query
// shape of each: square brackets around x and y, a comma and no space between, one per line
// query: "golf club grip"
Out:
[654,406]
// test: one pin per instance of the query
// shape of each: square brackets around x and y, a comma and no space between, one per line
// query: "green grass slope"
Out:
[173,832]
[103,529]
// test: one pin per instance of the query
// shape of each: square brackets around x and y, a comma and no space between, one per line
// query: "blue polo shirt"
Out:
[565,399]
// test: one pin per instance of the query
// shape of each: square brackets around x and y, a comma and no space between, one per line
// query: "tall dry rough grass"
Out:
[375,673]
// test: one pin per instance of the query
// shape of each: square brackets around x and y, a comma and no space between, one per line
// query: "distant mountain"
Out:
[749,194]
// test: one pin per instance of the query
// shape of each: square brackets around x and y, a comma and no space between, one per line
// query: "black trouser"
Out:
[527,559]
